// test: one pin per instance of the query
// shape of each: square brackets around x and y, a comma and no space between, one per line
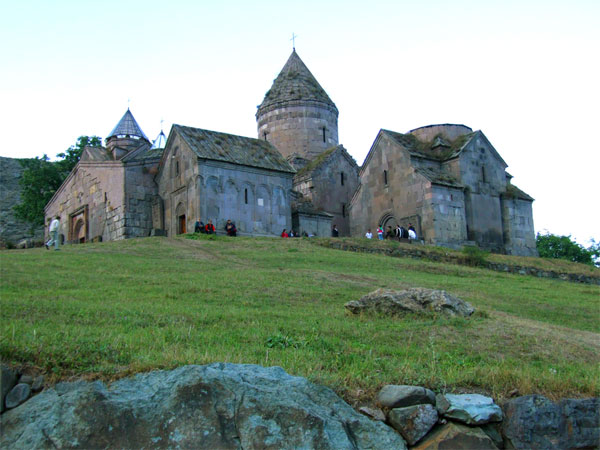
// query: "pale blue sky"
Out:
[525,73]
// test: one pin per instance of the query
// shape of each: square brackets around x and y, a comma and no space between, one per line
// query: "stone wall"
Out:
[257,200]
[298,127]
[140,192]
[519,234]
[12,231]
[330,187]
[96,188]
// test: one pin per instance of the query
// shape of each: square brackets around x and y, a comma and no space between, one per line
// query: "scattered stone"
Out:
[8,379]
[416,300]
[398,396]
[413,422]
[373,413]
[455,436]
[27,379]
[212,406]
[17,395]
[38,383]
[533,421]
[472,409]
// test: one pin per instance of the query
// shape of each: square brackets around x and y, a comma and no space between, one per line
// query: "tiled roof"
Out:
[95,154]
[128,126]
[295,82]
[439,149]
[233,149]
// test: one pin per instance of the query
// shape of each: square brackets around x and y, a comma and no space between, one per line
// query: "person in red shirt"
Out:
[284,234]
[210,228]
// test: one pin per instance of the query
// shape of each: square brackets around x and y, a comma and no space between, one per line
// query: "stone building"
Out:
[209,175]
[450,183]
[110,192]
[300,120]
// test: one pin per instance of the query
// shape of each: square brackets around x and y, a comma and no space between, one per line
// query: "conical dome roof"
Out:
[127,126]
[295,83]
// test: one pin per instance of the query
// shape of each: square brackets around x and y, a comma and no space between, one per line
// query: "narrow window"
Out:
[176,168]
[385,178]
[342,177]
[483,174]
[324,135]
[343,210]
[265,136]
[246,196]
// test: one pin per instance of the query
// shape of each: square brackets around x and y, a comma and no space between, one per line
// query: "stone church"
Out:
[446,180]
[450,183]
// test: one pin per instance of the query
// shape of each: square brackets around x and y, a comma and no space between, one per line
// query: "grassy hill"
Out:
[112,309]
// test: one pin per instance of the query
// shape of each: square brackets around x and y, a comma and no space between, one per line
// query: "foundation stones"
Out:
[471,409]
[398,396]
[413,422]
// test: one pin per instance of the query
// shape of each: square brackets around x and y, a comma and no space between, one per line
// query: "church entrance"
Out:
[181,229]
[78,228]
[79,232]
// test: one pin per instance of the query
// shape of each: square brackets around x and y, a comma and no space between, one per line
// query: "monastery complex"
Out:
[447,180]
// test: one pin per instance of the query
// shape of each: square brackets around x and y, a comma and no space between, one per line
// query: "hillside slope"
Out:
[108,310]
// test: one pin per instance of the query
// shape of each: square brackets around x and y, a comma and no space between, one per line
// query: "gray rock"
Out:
[17,395]
[416,300]
[493,432]
[533,421]
[38,383]
[212,406]
[373,413]
[472,409]
[581,427]
[8,380]
[413,422]
[398,396]
[27,379]
[454,436]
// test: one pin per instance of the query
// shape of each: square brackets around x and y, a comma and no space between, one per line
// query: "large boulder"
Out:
[533,421]
[472,409]
[415,300]
[213,406]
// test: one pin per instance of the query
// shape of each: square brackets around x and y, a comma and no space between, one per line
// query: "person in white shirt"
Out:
[412,234]
[54,226]
[368,234]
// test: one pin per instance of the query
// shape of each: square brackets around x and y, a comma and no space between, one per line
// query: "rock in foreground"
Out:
[416,300]
[213,406]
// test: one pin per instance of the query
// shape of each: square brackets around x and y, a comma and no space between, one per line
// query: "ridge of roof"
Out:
[513,191]
[416,147]
[217,146]
[319,160]
[128,126]
[295,82]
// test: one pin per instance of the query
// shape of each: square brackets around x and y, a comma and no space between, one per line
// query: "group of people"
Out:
[397,233]
[209,228]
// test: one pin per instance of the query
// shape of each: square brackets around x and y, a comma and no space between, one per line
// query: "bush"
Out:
[474,256]
[563,247]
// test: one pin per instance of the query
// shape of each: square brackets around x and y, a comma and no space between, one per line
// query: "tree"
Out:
[563,247]
[41,178]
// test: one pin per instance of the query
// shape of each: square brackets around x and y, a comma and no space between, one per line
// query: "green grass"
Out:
[109,310]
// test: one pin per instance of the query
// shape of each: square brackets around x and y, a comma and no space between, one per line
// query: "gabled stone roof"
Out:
[322,158]
[95,154]
[233,149]
[295,83]
[128,126]
[439,149]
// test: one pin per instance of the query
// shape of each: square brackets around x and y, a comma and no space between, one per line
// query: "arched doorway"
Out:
[79,231]
[387,220]
[181,219]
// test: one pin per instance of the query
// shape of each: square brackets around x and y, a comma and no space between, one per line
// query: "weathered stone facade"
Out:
[329,182]
[246,181]
[450,183]
[108,195]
